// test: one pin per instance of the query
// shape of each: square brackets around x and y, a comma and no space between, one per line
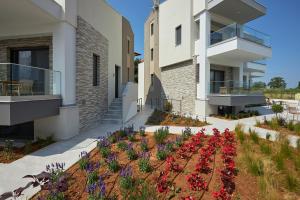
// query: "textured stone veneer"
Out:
[91,100]
[179,82]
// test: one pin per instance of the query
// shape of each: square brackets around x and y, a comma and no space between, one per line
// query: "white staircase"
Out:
[114,113]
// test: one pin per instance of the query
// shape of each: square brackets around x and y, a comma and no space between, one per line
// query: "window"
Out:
[197,73]
[96,70]
[152,79]
[197,30]
[152,52]
[178,35]
[152,29]
[128,45]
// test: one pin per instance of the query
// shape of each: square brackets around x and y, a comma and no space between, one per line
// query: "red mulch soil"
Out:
[246,186]
[18,153]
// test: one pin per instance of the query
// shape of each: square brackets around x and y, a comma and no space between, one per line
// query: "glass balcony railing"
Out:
[241,31]
[20,80]
[233,88]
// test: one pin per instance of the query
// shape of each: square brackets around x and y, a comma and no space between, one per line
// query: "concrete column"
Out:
[204,70]
[241,75]
[64,60]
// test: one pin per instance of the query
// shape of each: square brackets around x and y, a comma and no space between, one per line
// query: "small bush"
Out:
[144,163]
[160,135]
[112,138]
[179,141]
[297,128]
[126,179]
[144,145]
[276,108]
[131,154]
[170,146]
[131,137]
[28,147]
[161,152]
[8,148]
[122,146]
[274,124]
[92,177]
[142,131]
[105,152]
[285,149]
[186,133]
[168,107]
[254,137]
[240,133]
[84,160]
[112,163]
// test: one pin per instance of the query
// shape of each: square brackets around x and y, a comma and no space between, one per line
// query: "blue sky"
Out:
[282,23]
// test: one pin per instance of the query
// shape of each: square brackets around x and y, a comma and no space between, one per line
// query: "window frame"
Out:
[151,54]
[96,69]
[178,41]
[152,28]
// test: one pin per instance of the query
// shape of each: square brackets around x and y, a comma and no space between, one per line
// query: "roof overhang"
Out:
[240,11]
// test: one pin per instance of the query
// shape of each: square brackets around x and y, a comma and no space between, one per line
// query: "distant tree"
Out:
[259,85]
[137,61]
[277,83]
[298,85]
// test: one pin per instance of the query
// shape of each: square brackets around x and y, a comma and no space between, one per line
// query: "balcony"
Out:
[240,11]
[28,93]
[236,44]
[256,66]
[234,93]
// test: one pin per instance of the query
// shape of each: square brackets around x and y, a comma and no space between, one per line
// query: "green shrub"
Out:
[160,135]
[122,146]
[297,128]
[92,177]
[285,149]
[254,137]
[179,141]
[112,138]
[274,124]
[161,152]
[28,147]
[290,125]
[144,164]
[8,148]
[240,134]
[131,154]
[105,151]
[168,107]
[84,160]
[131,137]
[170,146]
[277,108]
[142,131]
[186,133]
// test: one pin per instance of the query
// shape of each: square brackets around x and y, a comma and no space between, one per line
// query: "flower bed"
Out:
[281,125]
[240,115]
[160,166]
[168,119]
[8,153]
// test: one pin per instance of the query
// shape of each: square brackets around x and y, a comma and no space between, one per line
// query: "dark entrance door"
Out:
[117,75]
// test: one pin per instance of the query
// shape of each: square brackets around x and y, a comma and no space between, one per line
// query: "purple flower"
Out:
[101,186]
[130,146]
[145,155]
[103,142]
[92,167]
[91,188]
[111,158]
[126,172]
[161,147]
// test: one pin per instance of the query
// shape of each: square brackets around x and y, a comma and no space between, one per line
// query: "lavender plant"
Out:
[131,153]
[142,131]
[112,162]
[144,162]
[161,152]
[97,191]
[144,145]
[122,146]
[170,146]
[112,137]
[103,145]
[92,172]
[84,160]
[179,141]
[126,179]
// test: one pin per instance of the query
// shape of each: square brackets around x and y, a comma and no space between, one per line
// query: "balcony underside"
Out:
[241,11]
[20,109]
[235,51]
[236,100]
[255,67]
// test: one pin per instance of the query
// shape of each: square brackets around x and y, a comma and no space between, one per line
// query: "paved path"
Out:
[68,151]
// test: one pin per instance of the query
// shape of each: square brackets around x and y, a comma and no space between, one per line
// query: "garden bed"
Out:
[281,125]
[240,115]
[169,119]
[8,153]
[198,167]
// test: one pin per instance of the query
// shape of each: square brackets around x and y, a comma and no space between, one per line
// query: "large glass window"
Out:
[217,80]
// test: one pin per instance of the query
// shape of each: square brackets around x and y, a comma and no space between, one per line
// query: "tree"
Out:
[277,108]
[277,83]
[298,85]
[259,85]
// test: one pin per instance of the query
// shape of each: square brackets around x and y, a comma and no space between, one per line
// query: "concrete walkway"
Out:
[68,151]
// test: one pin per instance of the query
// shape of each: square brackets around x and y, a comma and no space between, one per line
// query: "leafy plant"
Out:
[254,166]
[170,146]
[292,183]
[126,179]
[131,137]
[112,138]
[240,133]
[168,107]
[196,182]
[8,148]
[92,173]
[105,152]
[144,162]
[28,147]
[161,152]
[265,148]
[279,161]
[268,136]
[160,135]
[97,191]
[179,141]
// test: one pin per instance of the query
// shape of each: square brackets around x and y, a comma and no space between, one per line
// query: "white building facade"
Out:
[206,55]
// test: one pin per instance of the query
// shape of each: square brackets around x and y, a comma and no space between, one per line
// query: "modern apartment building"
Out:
[202,56]
[62,63]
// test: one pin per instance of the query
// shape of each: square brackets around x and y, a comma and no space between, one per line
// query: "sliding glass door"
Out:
[216,81]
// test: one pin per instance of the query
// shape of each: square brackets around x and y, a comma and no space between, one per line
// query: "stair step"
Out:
[114,112]
[111,121]
[115,108]
[112,116]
